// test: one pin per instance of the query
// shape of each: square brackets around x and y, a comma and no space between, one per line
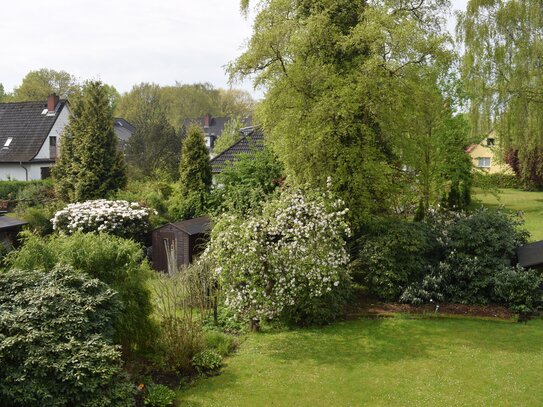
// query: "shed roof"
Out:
[192,226]
[251,141]
[531,255]
[123,128]
[28,126]
[7,222]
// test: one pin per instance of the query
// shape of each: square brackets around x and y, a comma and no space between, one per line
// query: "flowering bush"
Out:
[288,262]
[120,218]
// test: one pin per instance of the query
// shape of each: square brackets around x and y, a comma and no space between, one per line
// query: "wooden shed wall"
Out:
[170,233]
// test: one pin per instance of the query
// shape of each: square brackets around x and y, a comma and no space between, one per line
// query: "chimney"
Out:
[207,120]
[52,102]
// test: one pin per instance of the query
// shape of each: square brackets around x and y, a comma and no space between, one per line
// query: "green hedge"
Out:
[488,181]
[10,189]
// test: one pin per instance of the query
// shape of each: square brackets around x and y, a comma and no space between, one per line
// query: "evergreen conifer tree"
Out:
[90,165]
[195,169]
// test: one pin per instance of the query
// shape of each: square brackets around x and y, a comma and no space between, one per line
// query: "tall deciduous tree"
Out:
[37,85]
[90,165]
[333,70]
[503,76]
[2,92]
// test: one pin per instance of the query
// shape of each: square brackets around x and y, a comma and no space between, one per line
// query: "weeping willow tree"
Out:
[503,75]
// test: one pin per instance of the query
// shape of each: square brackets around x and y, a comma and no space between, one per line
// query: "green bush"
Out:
[490,181]
[392,254]
[38,218]
[36,194]
[56,341]
[518,288]
[159,395]
[117,262]
[207,362]
[220,342]
[9,190]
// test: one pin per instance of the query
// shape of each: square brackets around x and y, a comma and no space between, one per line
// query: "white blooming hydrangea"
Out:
[121,218]
[285,259]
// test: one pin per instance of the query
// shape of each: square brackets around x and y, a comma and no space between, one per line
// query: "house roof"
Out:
[531,255]
[123,129]
[28,127]
[251,141]
[7,222]
[216,124]
[192,226]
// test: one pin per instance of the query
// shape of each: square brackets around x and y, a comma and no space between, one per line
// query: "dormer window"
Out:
[490,142]
[8,142]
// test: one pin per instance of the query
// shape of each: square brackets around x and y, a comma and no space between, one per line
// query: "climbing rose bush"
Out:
[120,218]
[289,262]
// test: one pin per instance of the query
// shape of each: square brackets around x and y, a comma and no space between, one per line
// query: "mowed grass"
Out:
[402,361]
[513,200]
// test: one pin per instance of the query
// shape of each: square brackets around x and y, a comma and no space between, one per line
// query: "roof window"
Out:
[8,142]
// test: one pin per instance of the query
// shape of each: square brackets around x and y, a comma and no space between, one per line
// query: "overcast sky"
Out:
[124,42]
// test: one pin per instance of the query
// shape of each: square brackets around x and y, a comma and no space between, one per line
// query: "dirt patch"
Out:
[381,309]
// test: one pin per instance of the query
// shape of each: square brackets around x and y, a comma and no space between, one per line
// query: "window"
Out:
[490,142]
[483,162]
[45,172]
[52,147]
[8,141]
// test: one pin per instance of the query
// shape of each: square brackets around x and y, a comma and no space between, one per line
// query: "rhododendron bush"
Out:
[289,262]
[120,218]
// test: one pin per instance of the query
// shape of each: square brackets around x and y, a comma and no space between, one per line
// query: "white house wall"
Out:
[56,131]
[16,172]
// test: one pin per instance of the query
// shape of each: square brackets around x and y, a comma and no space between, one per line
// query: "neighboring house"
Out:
[483,156]
[252,140]
[30,134]
[213,127]
[123,130]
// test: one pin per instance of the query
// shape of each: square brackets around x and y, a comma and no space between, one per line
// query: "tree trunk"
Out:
[255,325]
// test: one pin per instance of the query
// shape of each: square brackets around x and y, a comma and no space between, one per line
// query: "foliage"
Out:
[371,359]
[392,254]
[248,183]
[155,145]
[38,218]
[502,77]
[120,218]
[37,85]
[9,190]
[89,166]
[229,136]
[288,262]
[336,75]
[207,362]
[498,180]
[220,342]
[35,194]
[194,185]
[479,250]
[55,336]
[117,262]
[159,395]
[520,289]
[226,321]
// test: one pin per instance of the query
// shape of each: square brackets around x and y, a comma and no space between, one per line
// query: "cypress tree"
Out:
[90,165]
[195,169]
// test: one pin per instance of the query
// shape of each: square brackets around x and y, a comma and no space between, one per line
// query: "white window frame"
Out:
[481,161]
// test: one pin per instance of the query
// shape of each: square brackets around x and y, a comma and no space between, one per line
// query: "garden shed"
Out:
[9,229]
[531,255]
[179,242]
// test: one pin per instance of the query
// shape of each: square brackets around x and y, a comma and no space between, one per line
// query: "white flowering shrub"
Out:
[120,218]
[289,262]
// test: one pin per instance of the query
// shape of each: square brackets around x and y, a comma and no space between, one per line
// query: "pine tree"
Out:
[194,177]
[195,169]
[90,165]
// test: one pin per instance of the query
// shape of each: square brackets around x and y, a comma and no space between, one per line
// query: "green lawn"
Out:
[388,362]
[529,203]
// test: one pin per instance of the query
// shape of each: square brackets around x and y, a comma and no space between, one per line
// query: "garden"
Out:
[353,259]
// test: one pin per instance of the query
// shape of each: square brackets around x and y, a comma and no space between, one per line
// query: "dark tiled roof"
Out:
[252,140]
[27,125]
[192,226]
[7,222]
[531,255]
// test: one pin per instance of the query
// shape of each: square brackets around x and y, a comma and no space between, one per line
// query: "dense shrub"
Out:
[120,218]
[36,194]
[9,190]
[392,254]
[207,362]
[289,262]
[55,341]
[519,288]
[117,262]
[153,194]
